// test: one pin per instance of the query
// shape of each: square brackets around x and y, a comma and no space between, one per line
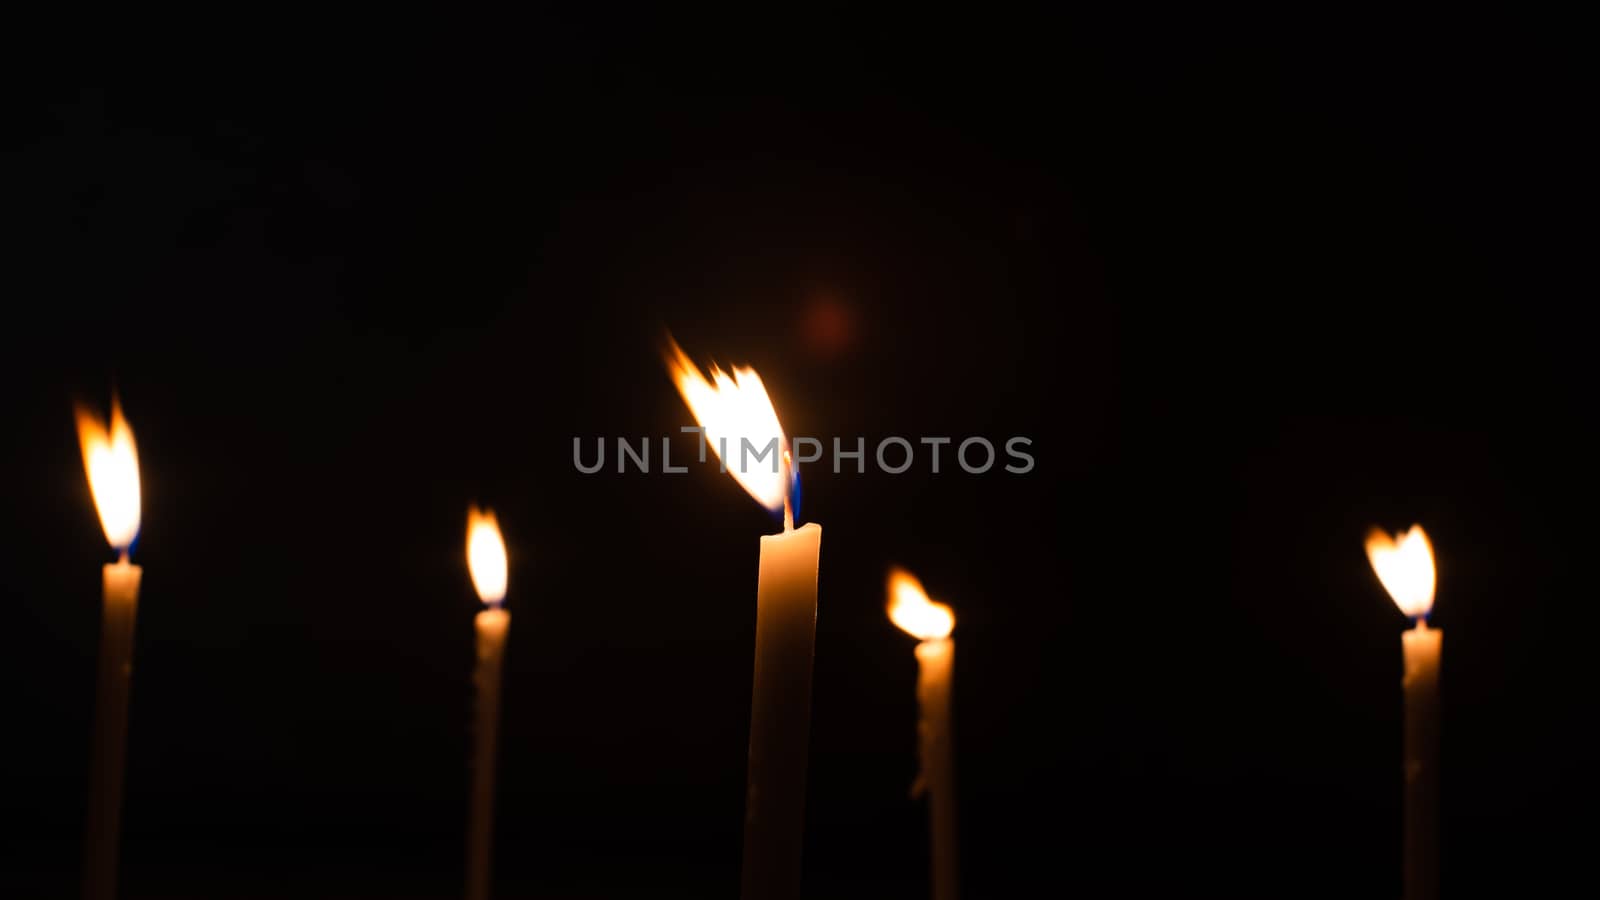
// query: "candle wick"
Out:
[124,558]
[788,506]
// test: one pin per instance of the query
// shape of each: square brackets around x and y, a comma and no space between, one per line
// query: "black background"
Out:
[1250,285]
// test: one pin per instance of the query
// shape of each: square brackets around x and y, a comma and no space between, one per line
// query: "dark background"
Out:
[1250,285]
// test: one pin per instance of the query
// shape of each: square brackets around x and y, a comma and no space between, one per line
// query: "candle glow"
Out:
[1404,564]
[112,463]
[913,612]
[931,622]
[740,425]
[486,556]
[486,561]
[732,409]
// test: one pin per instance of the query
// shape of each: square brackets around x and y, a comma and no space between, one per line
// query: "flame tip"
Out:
[1404,564]
[486,555]
[913,612]
[111,462]
[737,421]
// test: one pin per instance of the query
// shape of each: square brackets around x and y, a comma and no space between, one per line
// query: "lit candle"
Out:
[1404,564]
[931,623]
[486,559]
[112,463]
[742,428]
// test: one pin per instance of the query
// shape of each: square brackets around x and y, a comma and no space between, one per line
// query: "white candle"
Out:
[1422,648]
[112,463]
[1404,564]
[931,623]
[486,560]
[780,712]
[740,426]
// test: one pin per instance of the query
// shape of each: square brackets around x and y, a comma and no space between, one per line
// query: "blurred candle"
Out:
[1404,564]
[112,463]
[741,426]
[486,560]
[931,623]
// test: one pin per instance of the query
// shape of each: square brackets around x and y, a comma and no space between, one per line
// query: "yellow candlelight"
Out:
[931,623]
[486,561]
[741,426]
[112,463]
[1404,564]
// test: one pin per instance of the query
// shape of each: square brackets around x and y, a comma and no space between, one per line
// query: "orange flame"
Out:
[734,410]
[486,555]
[112,463]
[1404,564]
[910,608]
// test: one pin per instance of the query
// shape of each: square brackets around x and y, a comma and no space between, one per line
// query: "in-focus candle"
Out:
[740,425]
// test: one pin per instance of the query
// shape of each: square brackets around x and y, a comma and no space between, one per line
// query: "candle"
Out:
[739,423]
[931,623]
[780,713]
[486,560]
[1404,564]
[112,464]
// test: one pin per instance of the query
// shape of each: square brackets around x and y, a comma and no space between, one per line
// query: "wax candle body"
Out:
[936,659]
[120,609]
[1422,647]
[780,714]
[492,626]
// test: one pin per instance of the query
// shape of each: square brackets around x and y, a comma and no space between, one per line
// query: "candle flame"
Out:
[112,463]
[910,608]
[486,555]
[734,409]
[1404,564]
